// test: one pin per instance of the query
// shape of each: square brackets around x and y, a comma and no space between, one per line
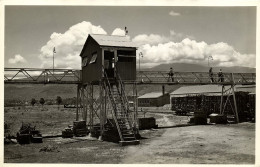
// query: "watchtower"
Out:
[106,52]
[107,62]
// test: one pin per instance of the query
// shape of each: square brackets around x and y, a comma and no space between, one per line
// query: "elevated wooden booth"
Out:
[110,53]
[107,62]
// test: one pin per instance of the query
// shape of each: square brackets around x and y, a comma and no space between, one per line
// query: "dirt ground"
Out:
[174,142]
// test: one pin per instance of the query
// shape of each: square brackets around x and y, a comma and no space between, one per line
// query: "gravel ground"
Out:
[170,144]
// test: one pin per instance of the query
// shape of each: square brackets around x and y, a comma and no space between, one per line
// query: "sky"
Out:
[164,34]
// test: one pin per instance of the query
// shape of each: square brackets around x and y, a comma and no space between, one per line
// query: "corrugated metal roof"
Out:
[151,95]
[209,90]
[246,88]
[198,89]
[113,40]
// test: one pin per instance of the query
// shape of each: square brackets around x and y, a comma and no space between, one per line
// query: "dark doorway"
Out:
[109,63]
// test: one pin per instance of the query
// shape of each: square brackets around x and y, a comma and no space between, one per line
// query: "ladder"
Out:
[120,110]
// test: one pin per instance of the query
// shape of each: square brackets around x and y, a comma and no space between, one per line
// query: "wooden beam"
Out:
[235,103]
[221,102]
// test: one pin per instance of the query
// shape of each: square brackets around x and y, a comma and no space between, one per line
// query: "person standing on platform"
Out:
[211,74]
[171,74]
[220,76]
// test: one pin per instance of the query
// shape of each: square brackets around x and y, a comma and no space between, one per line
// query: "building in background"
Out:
[208,98]
[154,99]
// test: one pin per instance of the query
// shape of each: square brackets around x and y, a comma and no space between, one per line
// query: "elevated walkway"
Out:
[72,76]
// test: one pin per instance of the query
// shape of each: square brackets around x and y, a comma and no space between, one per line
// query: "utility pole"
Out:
[208,59]
[53,59]
[140,55]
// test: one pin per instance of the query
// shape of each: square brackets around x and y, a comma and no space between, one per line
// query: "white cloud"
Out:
[149,39]
[118,31]
[68,46]
[154,39]
[17,59]
[172,13]
[191,51]
[157,49]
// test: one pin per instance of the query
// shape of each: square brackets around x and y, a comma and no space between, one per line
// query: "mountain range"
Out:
[185,67]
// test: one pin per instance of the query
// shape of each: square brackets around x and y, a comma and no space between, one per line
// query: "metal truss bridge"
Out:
[72,76]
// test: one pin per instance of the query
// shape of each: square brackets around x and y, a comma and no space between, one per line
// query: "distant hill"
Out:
[37,91]
[51,91]
[185,67]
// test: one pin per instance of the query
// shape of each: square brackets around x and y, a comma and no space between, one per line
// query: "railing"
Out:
[125,100]
[194,78]
[42,76]
[72,76]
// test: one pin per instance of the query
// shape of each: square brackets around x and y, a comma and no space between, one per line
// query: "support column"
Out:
[235,103]
[163,89]
[91,107]
[87,103]
[83,103]
[101,97]
[135,104]
[105,104]
[77,103]
[234,96]
[221,102]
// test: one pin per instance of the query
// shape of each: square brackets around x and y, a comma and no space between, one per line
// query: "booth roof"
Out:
[113,40]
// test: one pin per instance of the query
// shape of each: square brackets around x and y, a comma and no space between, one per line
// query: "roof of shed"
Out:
[198,89]
[246,88]
[151,95]
[210,90]
[113,40]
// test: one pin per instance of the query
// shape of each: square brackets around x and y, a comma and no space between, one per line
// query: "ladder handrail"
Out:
[112,100]
[122,87]
[125,100]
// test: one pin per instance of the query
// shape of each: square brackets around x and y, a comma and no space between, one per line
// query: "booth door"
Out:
[126,66]
[109,63]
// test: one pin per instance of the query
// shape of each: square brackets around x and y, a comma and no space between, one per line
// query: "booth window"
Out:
[85,61]
[94,58]
[125,58]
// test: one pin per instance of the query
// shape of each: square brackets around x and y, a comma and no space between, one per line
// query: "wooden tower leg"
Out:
[77,103]
[84,102]
[91,107]
[135,105]
[221,101]
[235,103]
[102,110]
[234,96]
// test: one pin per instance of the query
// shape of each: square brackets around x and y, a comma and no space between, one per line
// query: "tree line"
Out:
[42,101]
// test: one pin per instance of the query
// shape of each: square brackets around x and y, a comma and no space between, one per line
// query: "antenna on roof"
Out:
[126,31]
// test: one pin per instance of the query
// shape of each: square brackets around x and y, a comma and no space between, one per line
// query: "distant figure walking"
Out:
[171,74]
[220,76]
[211,74]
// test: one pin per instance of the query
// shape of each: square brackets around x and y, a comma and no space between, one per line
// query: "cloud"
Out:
[149,39]
[172,13]
[17,59]
[191,51]
[68,46]
[157,49]
[118,31]
[154,39]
